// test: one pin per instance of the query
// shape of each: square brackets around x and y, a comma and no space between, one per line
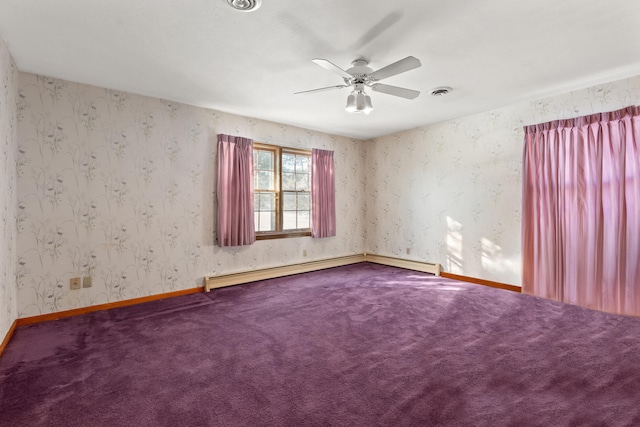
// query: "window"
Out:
[282,191]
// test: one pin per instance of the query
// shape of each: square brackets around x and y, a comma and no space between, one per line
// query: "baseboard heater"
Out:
[222,280]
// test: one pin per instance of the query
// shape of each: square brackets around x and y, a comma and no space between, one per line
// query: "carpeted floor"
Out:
[361,345]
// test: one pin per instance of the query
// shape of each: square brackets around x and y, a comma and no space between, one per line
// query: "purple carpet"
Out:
[361,345]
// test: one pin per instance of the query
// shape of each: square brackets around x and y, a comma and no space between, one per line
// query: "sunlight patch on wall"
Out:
[493,259]
[454,246]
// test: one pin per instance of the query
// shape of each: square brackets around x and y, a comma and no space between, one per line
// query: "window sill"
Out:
[282,234]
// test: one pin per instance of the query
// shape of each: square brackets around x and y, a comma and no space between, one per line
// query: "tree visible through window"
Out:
[282,191]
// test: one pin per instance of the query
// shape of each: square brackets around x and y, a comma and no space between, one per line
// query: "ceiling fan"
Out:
[360,76]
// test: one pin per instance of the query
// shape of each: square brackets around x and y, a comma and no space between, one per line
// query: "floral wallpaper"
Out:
[122,187]
[451,192]
[8,144]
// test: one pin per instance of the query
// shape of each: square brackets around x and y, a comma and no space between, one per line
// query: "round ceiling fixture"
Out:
[245,5]
[439,91]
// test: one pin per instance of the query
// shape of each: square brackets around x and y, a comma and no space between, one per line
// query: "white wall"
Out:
[451,192]
[121,187]
[8,145]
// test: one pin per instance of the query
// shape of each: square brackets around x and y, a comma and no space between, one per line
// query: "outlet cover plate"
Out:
[87,282]
[76,282]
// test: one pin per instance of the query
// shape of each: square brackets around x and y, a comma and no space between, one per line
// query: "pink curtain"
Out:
[323,199]
[235,191]
[581,211]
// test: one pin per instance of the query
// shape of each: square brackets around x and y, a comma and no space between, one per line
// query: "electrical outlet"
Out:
[304,252]
[76,282]
[87,281]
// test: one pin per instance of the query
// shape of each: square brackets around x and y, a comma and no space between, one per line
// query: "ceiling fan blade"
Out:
[332,67]
[396,91]
[322,89]
[406,64]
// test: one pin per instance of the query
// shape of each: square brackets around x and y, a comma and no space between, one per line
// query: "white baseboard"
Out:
[404,263]
[212,282]
[220,281]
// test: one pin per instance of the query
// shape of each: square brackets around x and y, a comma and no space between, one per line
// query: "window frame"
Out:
[279,233]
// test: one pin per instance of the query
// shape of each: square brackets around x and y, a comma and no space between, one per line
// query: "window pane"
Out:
[289,220]
[288,181]
[289,201]
[303,219]
[256,202]
[265,181]
[302,164]
[302,182]
[267,202]
[271,201]
[265,160]
[288,162]
[267,221]
[303,202]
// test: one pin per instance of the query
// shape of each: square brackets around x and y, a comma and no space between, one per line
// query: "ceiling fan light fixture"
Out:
[351,104]
[359,102]
[245,5]
[367,104]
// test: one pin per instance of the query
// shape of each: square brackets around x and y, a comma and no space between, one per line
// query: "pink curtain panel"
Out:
[323,201]
[581,211]
[235,191]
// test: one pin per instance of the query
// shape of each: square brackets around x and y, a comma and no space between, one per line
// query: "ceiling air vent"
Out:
[439,91]
[245,5]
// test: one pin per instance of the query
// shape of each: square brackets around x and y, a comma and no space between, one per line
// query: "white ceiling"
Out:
[201,52]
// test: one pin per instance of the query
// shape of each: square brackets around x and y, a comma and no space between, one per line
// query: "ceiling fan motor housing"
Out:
[360,71]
